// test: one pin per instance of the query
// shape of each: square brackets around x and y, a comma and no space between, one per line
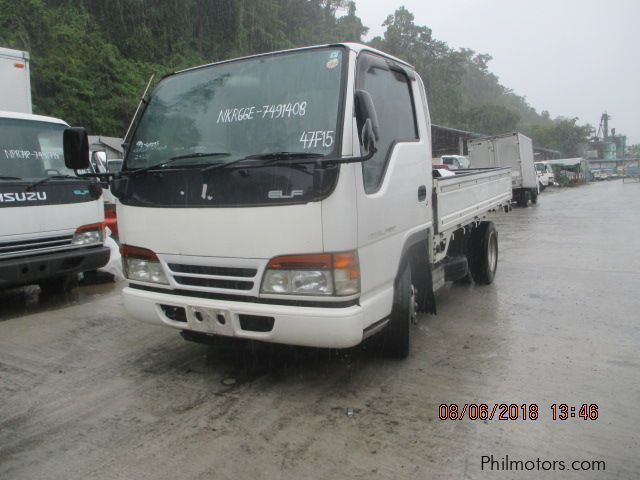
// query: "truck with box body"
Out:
[288,197]
[15,81]
[51,221]
[513,150]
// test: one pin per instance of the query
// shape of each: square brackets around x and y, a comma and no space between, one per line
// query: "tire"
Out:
[534,197]
[523,198]
[396,337]
[58,285]
[542,187]
[483,253]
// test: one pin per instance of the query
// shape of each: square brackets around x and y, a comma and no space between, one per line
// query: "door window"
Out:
[390,90]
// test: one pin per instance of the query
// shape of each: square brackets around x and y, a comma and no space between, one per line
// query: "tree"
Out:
[563,134]
[490,119]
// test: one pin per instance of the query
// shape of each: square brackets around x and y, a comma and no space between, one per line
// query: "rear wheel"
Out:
[483,253]
[395,338]
[534,196]
[524,196]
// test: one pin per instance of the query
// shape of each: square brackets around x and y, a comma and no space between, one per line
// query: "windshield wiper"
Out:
[8,177]
[269,159]
[275,156]
[33,185]
[175,159]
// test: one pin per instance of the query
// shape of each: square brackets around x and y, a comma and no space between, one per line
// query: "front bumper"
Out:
[323,327]
[27,270]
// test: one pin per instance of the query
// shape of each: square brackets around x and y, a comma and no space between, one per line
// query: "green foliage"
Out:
[490,119]
[91,59]
[562,134]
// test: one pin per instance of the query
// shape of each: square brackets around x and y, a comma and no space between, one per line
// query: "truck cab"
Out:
[455,162]
[51,222]
[545,173]
[288,197]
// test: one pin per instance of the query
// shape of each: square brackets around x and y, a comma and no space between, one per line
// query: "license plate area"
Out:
[210,320]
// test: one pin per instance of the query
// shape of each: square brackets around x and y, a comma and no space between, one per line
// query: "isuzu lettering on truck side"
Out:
[288,197]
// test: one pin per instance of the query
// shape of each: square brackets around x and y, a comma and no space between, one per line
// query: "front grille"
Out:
[214,283]
[218,271]
[240,279]
[35,246]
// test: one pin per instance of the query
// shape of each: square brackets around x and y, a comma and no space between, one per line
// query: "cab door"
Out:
[394,187]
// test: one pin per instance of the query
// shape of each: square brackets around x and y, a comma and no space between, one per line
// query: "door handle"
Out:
[422,193]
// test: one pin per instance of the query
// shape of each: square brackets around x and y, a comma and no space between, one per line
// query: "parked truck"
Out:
[288,197]
[51,221]
[513,150]
[546,177]
[15,83]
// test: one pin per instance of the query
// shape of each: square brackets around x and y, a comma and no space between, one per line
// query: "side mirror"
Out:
[76,148]
[366,110]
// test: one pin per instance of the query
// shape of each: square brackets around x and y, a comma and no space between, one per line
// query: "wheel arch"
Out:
[416,252]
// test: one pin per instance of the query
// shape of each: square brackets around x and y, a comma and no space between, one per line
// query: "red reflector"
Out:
[111,221]
[19,65]
[137,252]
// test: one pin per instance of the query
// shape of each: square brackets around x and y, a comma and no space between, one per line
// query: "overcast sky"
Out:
[575,58]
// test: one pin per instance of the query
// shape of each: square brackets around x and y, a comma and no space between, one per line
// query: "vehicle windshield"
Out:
[280,103]
[31,150]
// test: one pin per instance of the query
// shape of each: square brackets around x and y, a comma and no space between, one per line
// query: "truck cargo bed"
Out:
[469,195]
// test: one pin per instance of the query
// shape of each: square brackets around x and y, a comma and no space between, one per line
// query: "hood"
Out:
[242,232]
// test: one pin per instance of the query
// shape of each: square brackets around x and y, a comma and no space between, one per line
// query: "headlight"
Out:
[323,274]
[89,234]
[142,265]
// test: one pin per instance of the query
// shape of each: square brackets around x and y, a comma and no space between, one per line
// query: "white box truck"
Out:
[15,84]
[288,197]
[513,150]
[51,222]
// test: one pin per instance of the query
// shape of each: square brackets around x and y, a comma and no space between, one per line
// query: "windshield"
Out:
[280,103]
[31,150]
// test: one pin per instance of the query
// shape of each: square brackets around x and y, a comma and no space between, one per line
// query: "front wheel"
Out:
[483,254]
[395,341]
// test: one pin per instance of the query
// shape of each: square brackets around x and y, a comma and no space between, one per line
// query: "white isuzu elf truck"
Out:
[51,221]
[288,197]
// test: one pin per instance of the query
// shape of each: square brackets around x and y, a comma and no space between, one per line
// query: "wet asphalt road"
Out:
[87,394]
